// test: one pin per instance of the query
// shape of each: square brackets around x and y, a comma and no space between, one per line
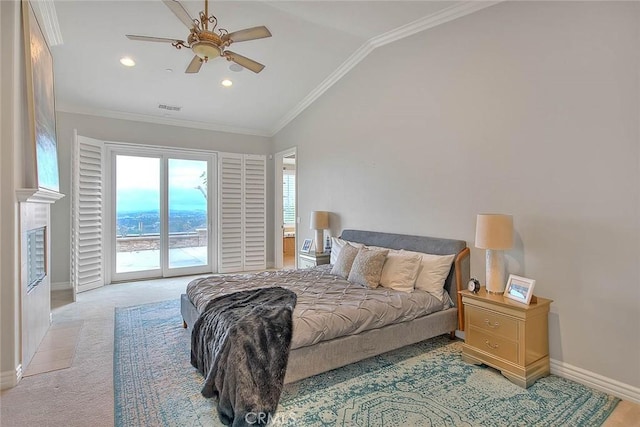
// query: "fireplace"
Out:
[36,257]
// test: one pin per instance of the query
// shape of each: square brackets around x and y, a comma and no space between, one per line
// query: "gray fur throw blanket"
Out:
[240,343]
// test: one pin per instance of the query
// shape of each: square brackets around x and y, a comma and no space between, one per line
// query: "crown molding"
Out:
[441,17]
[445,15]
[160,120]
[343,69]
[49,21]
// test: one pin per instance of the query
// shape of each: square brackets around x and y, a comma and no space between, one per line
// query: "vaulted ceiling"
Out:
[314,43]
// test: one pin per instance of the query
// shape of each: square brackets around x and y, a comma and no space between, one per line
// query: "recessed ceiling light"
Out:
[226,83]
[127,62]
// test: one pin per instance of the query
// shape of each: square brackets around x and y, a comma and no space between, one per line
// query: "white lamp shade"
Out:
[494,231]
[319,220]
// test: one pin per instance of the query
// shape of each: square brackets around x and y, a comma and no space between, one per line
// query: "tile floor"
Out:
[57,349]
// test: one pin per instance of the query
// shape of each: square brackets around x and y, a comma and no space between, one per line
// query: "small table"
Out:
[507,335]
[311,259]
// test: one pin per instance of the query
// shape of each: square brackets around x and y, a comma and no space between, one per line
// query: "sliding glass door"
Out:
[188,215]
[161,215]
[137,214]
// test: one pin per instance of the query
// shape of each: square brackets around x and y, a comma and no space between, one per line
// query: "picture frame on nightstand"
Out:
[306,246]
[519,289]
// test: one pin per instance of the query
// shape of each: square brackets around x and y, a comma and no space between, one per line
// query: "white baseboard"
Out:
[596,381]
[60,286]
[9,379]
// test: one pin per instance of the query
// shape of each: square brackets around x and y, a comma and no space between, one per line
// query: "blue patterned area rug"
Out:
[426,384]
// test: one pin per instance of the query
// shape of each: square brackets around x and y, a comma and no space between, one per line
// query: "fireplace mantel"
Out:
[38,195]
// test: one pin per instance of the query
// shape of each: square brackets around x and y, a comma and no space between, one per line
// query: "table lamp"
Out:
[494,232]
[319,222]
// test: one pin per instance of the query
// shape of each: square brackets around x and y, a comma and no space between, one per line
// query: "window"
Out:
[289,196]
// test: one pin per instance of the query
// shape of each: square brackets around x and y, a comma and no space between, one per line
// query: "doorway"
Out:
[286,212]
[160,215]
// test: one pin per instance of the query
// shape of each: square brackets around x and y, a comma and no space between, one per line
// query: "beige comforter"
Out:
[328,306]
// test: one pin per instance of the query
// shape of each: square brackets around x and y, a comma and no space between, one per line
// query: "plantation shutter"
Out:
[86,215]
[255,199]
[230,203]
[242,202]
[289,197]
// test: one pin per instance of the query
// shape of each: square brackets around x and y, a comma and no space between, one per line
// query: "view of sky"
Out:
[138,184]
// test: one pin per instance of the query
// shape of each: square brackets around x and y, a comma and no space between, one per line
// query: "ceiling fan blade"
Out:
[194,65]
[247,63]
[247,34]
[153,39]
[179,10]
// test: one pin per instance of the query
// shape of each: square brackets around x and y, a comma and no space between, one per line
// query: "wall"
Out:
[528,108]
[13,134]
[116,130]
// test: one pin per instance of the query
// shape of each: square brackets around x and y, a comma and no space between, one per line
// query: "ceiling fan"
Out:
[205,43]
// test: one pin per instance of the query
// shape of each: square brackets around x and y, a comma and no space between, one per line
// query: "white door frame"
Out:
[162,153]
[277,224]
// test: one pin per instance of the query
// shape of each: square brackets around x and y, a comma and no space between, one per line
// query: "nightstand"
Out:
[507,335]
[311,259]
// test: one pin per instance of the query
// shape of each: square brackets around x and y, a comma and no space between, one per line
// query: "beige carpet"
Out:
[82,395]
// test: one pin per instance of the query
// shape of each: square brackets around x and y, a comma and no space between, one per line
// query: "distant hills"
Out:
[135,200]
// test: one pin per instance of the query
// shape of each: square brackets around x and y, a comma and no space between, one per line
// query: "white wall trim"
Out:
[159,120]
[596,381]
[441,17]
[49,21]
[9,379]
[445,15]
[38,195]
[61,286]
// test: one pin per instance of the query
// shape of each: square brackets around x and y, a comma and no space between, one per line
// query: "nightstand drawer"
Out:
[495,323]
[497,346]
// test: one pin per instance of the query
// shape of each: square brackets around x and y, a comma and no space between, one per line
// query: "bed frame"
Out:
[327,355]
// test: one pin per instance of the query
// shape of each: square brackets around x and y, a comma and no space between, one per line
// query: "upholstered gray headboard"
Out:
[460,271]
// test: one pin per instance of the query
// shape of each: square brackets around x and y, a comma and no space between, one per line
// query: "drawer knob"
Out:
[493,346]
[491,325]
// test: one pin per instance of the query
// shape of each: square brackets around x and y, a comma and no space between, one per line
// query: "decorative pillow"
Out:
[400,271]
[336,246]
[367,267]
[432,273]
[343,264]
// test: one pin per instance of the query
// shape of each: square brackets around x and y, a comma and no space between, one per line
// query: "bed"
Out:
[322,351]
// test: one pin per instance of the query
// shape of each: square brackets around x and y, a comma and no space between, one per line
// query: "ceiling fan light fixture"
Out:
[205,50]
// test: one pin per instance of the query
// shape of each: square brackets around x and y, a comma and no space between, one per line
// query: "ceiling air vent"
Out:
[169,107]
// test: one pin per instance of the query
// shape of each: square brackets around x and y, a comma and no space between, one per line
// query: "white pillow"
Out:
[400,271]
[432,273]
[336,246]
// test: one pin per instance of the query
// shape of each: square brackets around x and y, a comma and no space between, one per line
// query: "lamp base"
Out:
[319,244]
[495,271]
